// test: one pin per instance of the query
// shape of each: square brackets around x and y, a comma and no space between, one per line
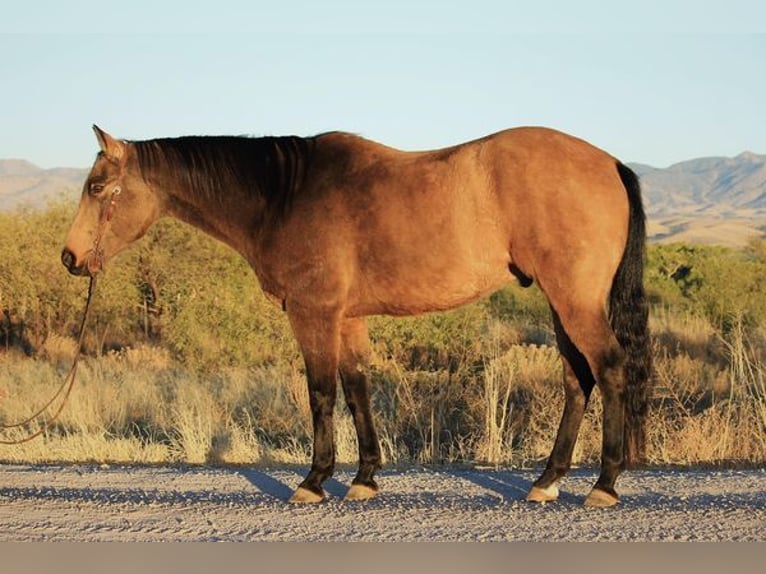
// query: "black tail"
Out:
[629,315]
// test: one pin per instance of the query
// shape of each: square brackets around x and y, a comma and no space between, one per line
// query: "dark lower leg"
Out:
[612,454]
[578,384]
[322,392]
[560,459]
[358,400]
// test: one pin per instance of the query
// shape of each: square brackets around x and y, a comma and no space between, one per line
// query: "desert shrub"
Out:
[723,284]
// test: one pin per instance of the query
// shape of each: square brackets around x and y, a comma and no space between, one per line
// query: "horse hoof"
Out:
[601,499]
[306,496]
[361,492]
[547,494]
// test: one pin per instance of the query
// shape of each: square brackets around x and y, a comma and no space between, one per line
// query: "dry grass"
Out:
[522,401]
[499,403]
[711,413]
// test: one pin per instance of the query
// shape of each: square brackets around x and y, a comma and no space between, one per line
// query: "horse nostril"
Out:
[68,259]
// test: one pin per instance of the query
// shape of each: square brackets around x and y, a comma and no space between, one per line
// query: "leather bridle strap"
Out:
[107,212]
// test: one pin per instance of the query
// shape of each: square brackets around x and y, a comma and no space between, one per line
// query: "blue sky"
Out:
[650,86]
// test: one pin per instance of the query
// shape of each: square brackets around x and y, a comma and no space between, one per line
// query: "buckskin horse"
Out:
[337,227]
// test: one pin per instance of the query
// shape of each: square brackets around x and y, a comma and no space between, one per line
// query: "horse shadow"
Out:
[508,485]
[283,490]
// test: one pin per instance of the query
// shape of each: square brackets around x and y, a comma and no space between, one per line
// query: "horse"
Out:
[337,228]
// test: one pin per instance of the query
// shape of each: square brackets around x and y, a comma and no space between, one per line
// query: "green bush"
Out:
[720,283]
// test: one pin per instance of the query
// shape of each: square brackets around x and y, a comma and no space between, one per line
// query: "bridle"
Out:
[97,256]
[105,216]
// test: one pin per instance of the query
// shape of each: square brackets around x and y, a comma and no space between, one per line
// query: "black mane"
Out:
[219,167]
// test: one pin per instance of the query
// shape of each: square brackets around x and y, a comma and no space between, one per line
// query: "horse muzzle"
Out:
[70,262]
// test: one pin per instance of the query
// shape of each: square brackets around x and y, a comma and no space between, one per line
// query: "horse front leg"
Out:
[354,359]
[318,335]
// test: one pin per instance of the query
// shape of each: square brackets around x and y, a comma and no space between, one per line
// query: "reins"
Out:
[66,387]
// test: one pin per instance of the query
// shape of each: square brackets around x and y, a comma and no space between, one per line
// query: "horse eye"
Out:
[95,188]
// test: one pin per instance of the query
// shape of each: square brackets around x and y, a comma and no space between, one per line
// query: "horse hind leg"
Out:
[578,385]
[611,380]
[354,358]
[595,339]
[587,328]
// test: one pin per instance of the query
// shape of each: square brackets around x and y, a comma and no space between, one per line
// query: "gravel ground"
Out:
[101,503]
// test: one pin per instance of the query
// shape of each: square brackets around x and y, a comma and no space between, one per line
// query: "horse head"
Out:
[116,208]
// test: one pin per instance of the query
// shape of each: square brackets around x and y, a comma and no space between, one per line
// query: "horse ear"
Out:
[111,147]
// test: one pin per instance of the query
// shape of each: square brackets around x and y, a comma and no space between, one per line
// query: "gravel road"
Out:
[102,503]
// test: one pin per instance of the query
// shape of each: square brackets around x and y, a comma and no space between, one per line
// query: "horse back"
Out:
[386,231]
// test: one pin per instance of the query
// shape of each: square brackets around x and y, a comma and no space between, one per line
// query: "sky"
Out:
[659,84]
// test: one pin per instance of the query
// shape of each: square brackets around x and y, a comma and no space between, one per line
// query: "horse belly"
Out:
[432,284]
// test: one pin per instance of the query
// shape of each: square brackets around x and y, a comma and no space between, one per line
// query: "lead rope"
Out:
[65,387]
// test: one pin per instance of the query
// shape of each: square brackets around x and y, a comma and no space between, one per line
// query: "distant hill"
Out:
[714,200]
[23,184]
[718,185]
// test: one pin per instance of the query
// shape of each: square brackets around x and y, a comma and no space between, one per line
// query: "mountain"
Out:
[719,185]
[715,200]
[708,200]
[23,184]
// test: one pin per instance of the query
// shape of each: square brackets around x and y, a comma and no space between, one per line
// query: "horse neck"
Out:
[228,220]
[227,186]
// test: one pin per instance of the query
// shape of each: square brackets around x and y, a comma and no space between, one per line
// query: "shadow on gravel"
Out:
[273,487]
[266,484]
[513,486]
[510,485]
